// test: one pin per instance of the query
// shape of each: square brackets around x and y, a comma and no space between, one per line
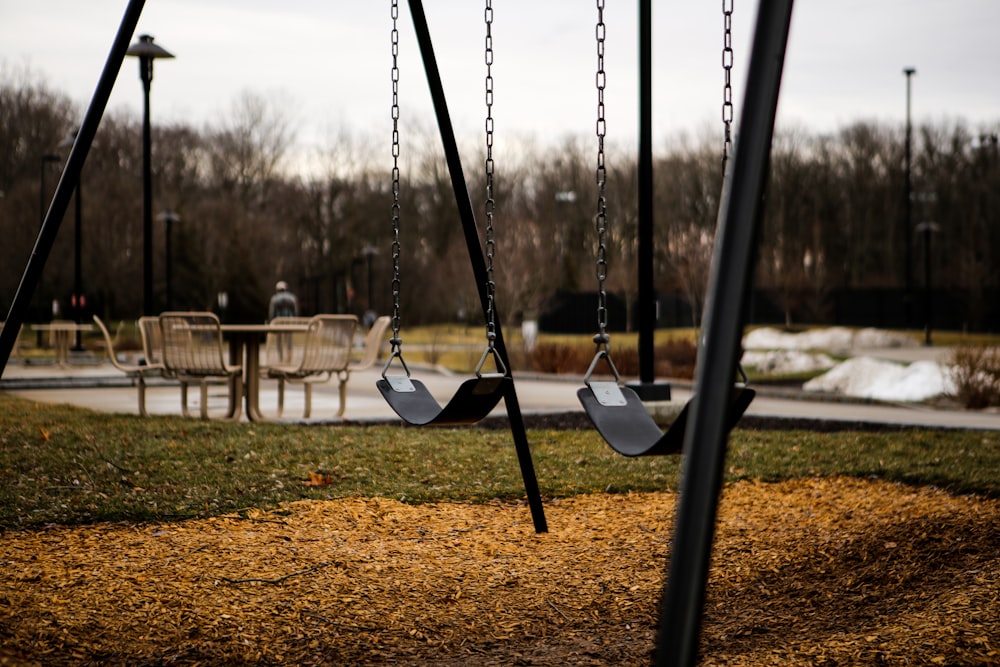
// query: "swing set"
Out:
[616,410]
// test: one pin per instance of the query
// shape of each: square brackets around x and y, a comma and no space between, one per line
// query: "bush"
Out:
[675,359]
[976,375]
[560,358]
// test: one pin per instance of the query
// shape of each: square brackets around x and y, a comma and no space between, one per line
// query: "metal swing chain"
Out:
[396,342]
[727,88]
[601,218]
[490,206]
[601,339]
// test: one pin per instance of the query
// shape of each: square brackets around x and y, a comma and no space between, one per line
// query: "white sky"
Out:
[327,61]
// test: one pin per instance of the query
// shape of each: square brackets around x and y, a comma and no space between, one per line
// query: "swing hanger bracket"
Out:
[491,351]
[606,392]
[401,383]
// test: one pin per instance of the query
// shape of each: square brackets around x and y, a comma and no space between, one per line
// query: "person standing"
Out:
[283,302]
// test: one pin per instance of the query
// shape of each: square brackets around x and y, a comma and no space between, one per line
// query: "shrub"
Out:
[558,358]
[676,358]
[976,375]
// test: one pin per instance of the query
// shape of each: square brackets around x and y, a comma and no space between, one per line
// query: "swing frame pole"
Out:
[730,282]
[647,295]
[472,242]
[68,181]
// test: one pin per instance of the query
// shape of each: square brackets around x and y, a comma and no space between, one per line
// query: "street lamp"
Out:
[77,301]
[908,204]
[146,51]
[169,218]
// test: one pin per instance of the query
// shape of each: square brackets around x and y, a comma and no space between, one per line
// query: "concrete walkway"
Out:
[101,387]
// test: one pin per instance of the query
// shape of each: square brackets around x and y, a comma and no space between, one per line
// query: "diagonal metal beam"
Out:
[468,217]
[67,182]
[729,286]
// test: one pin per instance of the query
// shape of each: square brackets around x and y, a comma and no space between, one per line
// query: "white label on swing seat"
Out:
[608,393]
[400,383]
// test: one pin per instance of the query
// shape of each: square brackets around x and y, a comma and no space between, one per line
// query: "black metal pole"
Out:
[71,173]
[146,74]
[928,229]
[168,219]
[476,258]
[647,298]
[730,283]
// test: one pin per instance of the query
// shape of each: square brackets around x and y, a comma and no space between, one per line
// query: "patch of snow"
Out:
[836,340]
[783,362]
[867,377]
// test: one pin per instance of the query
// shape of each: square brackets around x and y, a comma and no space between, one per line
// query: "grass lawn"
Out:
[66,465]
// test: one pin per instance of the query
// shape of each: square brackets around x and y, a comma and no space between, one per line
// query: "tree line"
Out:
[835,216]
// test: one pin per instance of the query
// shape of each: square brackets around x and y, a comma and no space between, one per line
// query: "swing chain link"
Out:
[396,342]
[601,218]
[601,340]
[490,206]
[727,88]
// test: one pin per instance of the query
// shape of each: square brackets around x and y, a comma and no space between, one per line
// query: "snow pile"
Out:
[867,377]
[784,362]
[777,352]
[836,340]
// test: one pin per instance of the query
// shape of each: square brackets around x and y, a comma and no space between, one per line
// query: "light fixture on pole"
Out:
[146,51]
[169,218]
[77,301]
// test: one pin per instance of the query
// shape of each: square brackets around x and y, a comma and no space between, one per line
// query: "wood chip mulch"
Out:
[810,572]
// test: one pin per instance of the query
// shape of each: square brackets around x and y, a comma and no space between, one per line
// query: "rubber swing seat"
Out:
[630,430]
[471,403]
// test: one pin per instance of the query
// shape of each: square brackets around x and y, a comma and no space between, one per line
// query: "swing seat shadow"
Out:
[631,431]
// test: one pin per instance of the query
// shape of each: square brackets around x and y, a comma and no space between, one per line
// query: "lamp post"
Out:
[77,301]
[907,205]
[169,218]
[146,51]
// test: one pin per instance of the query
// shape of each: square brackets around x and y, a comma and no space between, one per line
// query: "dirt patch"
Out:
[813,572]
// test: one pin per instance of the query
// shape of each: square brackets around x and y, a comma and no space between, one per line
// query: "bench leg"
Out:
[142,397]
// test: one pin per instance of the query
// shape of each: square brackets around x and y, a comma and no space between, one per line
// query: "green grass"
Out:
[60,464]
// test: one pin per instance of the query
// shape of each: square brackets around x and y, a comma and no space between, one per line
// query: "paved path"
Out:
[101,387]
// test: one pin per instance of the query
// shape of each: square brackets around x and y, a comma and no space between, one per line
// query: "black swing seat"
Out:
[630,430]
[472,402]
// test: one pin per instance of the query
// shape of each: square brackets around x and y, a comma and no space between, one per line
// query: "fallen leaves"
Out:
[802,574]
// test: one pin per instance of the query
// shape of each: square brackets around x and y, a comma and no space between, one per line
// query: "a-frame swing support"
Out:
[472,242]
[70,177]
[737,234]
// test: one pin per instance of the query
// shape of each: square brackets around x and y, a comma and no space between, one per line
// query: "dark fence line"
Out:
[950,309]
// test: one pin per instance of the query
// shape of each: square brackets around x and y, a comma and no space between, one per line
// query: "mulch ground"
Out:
[811,572]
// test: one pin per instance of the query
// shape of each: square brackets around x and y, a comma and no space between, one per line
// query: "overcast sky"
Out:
[327,61]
